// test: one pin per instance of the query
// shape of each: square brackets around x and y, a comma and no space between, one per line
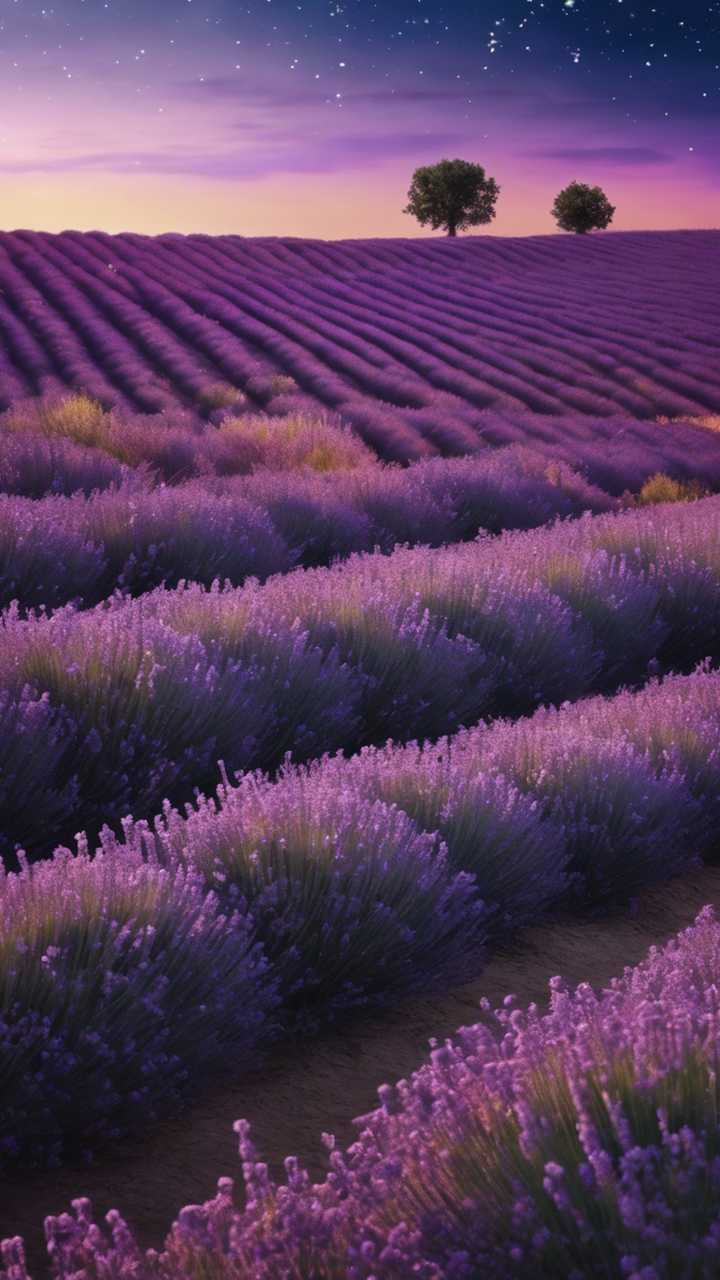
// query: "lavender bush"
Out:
[143,711]
[583,1141]
[122,983]
[615,455]
[173,534]
[175,446]
[350,900]
[33,466]
[594,799]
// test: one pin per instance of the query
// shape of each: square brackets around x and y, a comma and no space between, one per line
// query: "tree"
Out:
[453,194]
[581,208]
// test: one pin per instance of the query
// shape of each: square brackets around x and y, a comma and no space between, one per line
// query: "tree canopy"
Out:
[453,194]
[581,208]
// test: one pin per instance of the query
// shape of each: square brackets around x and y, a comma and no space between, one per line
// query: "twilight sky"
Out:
[307,117]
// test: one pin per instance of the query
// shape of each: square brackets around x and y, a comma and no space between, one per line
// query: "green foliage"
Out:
[453,194]
[581,208]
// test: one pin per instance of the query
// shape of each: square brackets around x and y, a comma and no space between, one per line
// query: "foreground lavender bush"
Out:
[350,900]
[582,1142]
[121,984]
[583,803]
[153,692]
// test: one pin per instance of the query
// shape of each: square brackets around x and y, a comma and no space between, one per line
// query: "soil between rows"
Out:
[319,1085]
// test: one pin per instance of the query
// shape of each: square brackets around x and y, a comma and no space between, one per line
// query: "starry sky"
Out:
[307,117]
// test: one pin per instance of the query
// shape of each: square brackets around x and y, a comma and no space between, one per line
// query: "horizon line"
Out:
[414,239]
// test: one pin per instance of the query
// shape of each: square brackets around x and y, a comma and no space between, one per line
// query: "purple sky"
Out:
[307,118]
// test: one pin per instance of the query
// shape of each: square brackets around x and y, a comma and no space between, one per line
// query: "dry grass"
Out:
[75,417]
[220,395]
[709,420]
[243,443]
[252,442]
[662,488]
[281,384]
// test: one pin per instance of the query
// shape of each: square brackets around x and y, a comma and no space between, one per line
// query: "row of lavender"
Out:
[69,444]
[182,946]
[58,549]
[112,710]
[582,1142]
[409,346]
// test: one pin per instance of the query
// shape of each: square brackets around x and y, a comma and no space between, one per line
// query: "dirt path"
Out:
[320,1085]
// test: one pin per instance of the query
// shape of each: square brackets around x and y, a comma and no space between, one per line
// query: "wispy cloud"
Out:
[246,93]
[278,94]
[331,154]
[604,155]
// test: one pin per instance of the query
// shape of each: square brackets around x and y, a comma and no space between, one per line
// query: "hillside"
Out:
[419,344]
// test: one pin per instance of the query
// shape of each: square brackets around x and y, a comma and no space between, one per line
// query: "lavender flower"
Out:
[578,1142]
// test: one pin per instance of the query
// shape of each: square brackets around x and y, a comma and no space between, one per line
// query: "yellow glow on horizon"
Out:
[323,206]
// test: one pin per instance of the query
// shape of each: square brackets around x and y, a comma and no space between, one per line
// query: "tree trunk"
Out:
[452,231]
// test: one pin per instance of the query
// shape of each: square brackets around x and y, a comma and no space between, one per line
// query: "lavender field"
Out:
[419,345]
[359,609]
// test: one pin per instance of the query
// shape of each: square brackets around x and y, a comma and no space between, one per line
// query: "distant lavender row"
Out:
[582,1142]
[60,549]
[111,710]
[66,444]
[409,341]
[184,944]
[615,453]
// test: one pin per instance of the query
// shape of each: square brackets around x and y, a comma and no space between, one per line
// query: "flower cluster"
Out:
[121,983]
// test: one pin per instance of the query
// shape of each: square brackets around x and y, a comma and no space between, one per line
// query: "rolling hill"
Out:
[421,345]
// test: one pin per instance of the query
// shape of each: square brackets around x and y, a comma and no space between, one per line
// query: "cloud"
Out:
[245,93]
[282,154]
[604,155]
[280,94]
[551,105]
